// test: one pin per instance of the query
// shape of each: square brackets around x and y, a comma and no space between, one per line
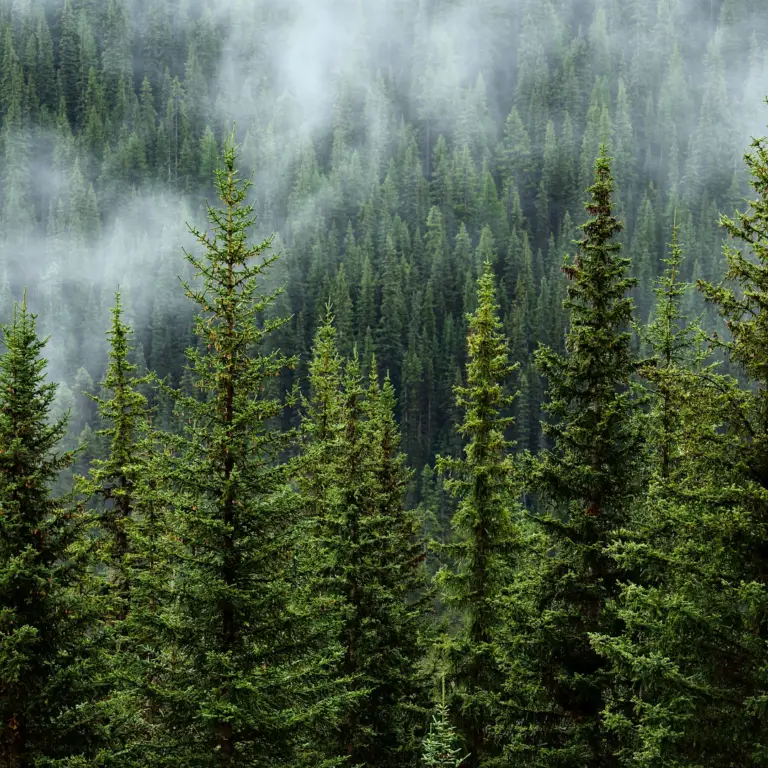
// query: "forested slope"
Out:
[396,147]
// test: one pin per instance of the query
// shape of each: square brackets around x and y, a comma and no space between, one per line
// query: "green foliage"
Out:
[363,558]
[114,479]
[587,483]
[241,599]
[439,747]
[242,687]
[675,342]
[125,111]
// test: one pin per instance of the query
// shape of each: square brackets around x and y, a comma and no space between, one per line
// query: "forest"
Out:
[383,384]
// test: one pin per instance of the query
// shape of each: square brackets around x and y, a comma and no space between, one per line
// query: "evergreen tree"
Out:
[485,531]
[114,478]
[673,703]
[242,689]
[48,601]
[739,300]
[366,556]
[586,485]
[675,342]
[440,749]
[399,701]
[135,548]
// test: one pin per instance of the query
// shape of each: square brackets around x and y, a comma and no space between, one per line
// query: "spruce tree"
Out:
[318,470]
[364,559]
[739,485]
[48,601]
[122,411]
[675,342]
[485,531]
[399,702]
[682,615]
[739,300]
[241,677]
[135,549]
[586,485]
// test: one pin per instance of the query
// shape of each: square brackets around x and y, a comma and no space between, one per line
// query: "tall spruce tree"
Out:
[743,456]
[320,474]
[586,485]
[740,301]
[48,601]
[241,640]
[135,549]
[399,704]
[485,532]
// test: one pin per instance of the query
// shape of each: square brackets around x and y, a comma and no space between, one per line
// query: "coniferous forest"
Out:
[383,384]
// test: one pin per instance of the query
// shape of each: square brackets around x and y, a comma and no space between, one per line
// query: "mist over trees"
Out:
[438,440]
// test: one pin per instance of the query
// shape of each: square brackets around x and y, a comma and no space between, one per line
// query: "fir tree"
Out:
[673,699]
[114,478]
[133,547]
[440,750]
[743,309]
[366,559]
[675,342]
[147,725]
[742,450]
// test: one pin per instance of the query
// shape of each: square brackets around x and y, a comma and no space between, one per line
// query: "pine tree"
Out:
[743,310]
[675,342]
[330,471]
[48,601]
[45,71]
[399,700]
[364,559]
[740,301]
[586,485]
[673,702]
[136,550]
[69,63]
[485,533]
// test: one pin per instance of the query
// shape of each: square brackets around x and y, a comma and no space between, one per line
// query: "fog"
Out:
[290,72]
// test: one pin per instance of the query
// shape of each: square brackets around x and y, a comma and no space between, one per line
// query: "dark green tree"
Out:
[673,661]
[242,688]
[366,553]
[122,410]
[740,301]
[586,485]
